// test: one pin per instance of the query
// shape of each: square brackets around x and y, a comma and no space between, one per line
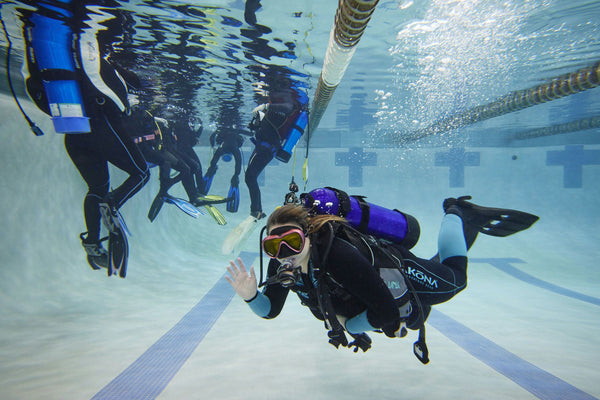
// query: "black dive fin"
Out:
[118,246]
[499,222]
[118,254]
[508,222]
[157,204]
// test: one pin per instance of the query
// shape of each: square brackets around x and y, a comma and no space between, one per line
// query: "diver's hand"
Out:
[243,283]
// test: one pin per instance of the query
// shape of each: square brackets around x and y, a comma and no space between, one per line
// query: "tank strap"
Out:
[344,205]
[365,214]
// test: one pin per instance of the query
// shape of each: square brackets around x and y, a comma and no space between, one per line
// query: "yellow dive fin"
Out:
[216,214]
[210,199]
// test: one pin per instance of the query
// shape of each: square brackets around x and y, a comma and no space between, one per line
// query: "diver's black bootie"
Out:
[490,221]
[97,256]
[452,206]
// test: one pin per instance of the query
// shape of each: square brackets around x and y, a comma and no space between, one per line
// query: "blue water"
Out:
[525,328]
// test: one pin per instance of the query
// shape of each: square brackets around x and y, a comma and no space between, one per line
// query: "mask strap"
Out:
[260,250]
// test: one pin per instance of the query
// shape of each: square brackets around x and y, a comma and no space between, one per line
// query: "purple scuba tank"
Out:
[383,223]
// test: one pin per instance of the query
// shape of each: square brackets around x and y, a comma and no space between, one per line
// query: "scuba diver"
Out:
[278,126]
[170,149]
[159,147]
[230,140]
[357,273]
[188,131]
[87,97]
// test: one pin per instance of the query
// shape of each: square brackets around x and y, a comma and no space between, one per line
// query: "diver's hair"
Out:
[299,215]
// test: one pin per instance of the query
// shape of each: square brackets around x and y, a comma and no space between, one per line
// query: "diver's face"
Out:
[287,255]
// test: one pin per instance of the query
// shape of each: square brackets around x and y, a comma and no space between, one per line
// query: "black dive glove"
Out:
[395,330]
[361,341]
[337,338]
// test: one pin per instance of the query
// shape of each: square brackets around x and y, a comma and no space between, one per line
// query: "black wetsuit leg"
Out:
[234,150]
[94,170]
[91,152]
[260,158]
[159,158]
[189,180]
[191,158]
[125,155]
[435,282]
[172,161]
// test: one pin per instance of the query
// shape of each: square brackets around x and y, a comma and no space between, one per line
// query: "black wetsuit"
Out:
[160,147]
[273,128]
[229,141]
[355,286]
[108,142]
[187,138]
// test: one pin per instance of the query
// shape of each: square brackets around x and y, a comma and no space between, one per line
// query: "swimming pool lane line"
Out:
[505,265]
[150,374]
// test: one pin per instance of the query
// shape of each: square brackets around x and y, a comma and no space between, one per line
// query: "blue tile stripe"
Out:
[504,265]
[538,382]
[148,376]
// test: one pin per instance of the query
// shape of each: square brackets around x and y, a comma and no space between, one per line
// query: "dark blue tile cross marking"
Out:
[457,159]
[573,158]
[505,265]
[148,376]
[355,159]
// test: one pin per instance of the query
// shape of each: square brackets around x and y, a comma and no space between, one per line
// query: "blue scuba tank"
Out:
[292,138]
[391,225]
[52,45]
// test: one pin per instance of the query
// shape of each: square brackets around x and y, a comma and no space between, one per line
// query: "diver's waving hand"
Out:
[243,283]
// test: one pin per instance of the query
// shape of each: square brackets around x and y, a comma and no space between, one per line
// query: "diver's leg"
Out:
[211,171]
[451,241]
[120,151]
[259,159]
[94,171]
[237,157]
[436,282]
[187,180]
[194,162]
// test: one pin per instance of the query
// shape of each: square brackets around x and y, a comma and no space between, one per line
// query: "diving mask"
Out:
[290,242]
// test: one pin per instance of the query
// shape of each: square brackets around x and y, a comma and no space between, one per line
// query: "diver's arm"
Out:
[275,293]
[267,304]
